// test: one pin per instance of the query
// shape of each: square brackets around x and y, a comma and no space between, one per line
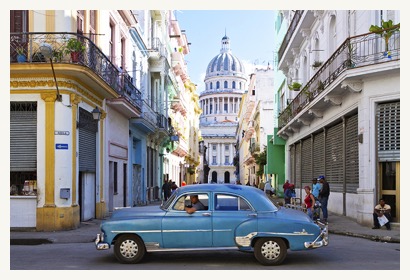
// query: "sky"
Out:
[250,33]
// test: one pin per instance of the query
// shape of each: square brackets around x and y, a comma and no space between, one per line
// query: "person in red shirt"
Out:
[309,201]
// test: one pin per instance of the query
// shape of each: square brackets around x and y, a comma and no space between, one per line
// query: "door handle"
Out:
[206,214]
[252,215]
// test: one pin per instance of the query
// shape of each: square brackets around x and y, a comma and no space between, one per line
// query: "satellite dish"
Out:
[46,50]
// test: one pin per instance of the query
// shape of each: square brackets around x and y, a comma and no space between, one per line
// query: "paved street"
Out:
[343,253]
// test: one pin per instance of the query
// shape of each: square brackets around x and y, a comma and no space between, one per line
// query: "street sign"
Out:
[61,146]
[59,132]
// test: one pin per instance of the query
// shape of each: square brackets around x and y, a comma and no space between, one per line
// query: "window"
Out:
[211,85]
[111,41]
[217,85]
[225,108]
[214,160]
[225,202]
[233,84]
[225,84]
[214,147]
[226,160]
[185,201]
[227,147]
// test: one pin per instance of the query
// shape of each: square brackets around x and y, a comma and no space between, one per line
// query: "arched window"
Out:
[217,85]
[211,85]
[233,84]
[225,84]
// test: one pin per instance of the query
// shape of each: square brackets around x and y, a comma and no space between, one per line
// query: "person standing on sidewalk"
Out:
[309,201]
[382,209]
[324,196]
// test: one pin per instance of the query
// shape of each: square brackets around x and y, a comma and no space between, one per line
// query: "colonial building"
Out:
[89,113]
[225,83]
[343,122]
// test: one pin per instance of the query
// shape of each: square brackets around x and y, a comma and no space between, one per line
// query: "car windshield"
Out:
[169,200]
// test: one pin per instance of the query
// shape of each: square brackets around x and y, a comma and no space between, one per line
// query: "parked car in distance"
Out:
[235,217]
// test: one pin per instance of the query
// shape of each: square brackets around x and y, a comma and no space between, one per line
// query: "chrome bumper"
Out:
[100,244]
[324,236]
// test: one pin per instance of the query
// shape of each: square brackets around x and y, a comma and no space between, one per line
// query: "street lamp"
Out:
[96,114]
[47,51]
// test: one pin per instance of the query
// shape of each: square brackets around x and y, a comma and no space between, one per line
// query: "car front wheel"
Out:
[270,251]
[129,249]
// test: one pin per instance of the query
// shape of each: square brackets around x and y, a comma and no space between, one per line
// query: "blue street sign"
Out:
[61,146]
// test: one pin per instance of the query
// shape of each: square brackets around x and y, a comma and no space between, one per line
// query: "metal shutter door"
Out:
[319,154]
[352,155]
[298,178]
[307,162]
[87,142]
[23,136]
[388,131]
[334,154]
[292,163]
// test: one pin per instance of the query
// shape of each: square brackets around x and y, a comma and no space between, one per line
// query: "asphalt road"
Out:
[343,253]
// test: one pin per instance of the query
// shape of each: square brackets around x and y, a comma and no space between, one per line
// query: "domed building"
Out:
[225,83]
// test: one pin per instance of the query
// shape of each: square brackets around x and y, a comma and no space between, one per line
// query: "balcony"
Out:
[147,121]
[354,54]
[28,44]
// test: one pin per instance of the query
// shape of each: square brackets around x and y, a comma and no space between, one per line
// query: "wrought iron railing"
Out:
[358,51]
[26,48]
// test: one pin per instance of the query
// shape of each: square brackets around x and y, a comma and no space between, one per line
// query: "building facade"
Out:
[65,67]
[344,121]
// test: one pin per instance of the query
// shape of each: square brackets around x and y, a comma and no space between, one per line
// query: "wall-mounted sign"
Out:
[59,132]
[60,146]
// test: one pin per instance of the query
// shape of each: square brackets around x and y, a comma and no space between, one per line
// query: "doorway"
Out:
[389,186]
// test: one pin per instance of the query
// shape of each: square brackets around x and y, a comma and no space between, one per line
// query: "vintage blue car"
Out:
[233,217]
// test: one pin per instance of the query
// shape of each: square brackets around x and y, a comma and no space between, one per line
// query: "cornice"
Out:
[21,84]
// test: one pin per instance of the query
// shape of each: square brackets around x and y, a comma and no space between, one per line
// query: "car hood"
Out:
[140,211]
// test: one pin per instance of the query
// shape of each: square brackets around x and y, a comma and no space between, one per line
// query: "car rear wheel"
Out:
[270,251]
[129,249]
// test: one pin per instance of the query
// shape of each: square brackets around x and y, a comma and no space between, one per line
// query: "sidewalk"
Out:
[88,230]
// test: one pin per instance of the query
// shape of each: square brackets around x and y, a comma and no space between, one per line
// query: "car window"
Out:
[225,202]
[185,200]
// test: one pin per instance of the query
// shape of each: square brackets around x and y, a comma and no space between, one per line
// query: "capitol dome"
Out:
[225,63]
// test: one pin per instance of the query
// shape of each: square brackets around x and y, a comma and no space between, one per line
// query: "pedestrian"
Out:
[324,196]
[315,191]
[289,193]
[173,187]
[286,186]
[166,189]
[382,215]
[309,201]
[268,188]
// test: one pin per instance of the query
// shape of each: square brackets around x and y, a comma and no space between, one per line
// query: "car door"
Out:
[183,230]
[233,216]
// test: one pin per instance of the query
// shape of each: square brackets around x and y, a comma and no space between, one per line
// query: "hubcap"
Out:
[129,249]
[270,250]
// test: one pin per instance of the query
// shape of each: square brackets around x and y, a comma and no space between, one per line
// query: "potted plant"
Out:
[74,47]
[21,56]
[386,30]
[317,64]
[295,86]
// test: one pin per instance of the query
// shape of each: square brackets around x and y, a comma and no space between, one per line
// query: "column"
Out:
[75,99]
[49,99]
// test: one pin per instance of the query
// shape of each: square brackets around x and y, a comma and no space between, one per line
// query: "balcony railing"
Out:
[292,27]
[28,44]
[358,51]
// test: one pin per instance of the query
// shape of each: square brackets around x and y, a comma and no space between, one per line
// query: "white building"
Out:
[344,123]
[225,82]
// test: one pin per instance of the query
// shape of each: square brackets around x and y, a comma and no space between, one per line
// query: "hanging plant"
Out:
[295,86]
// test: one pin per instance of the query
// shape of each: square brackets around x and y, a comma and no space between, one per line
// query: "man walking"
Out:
[324,196]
